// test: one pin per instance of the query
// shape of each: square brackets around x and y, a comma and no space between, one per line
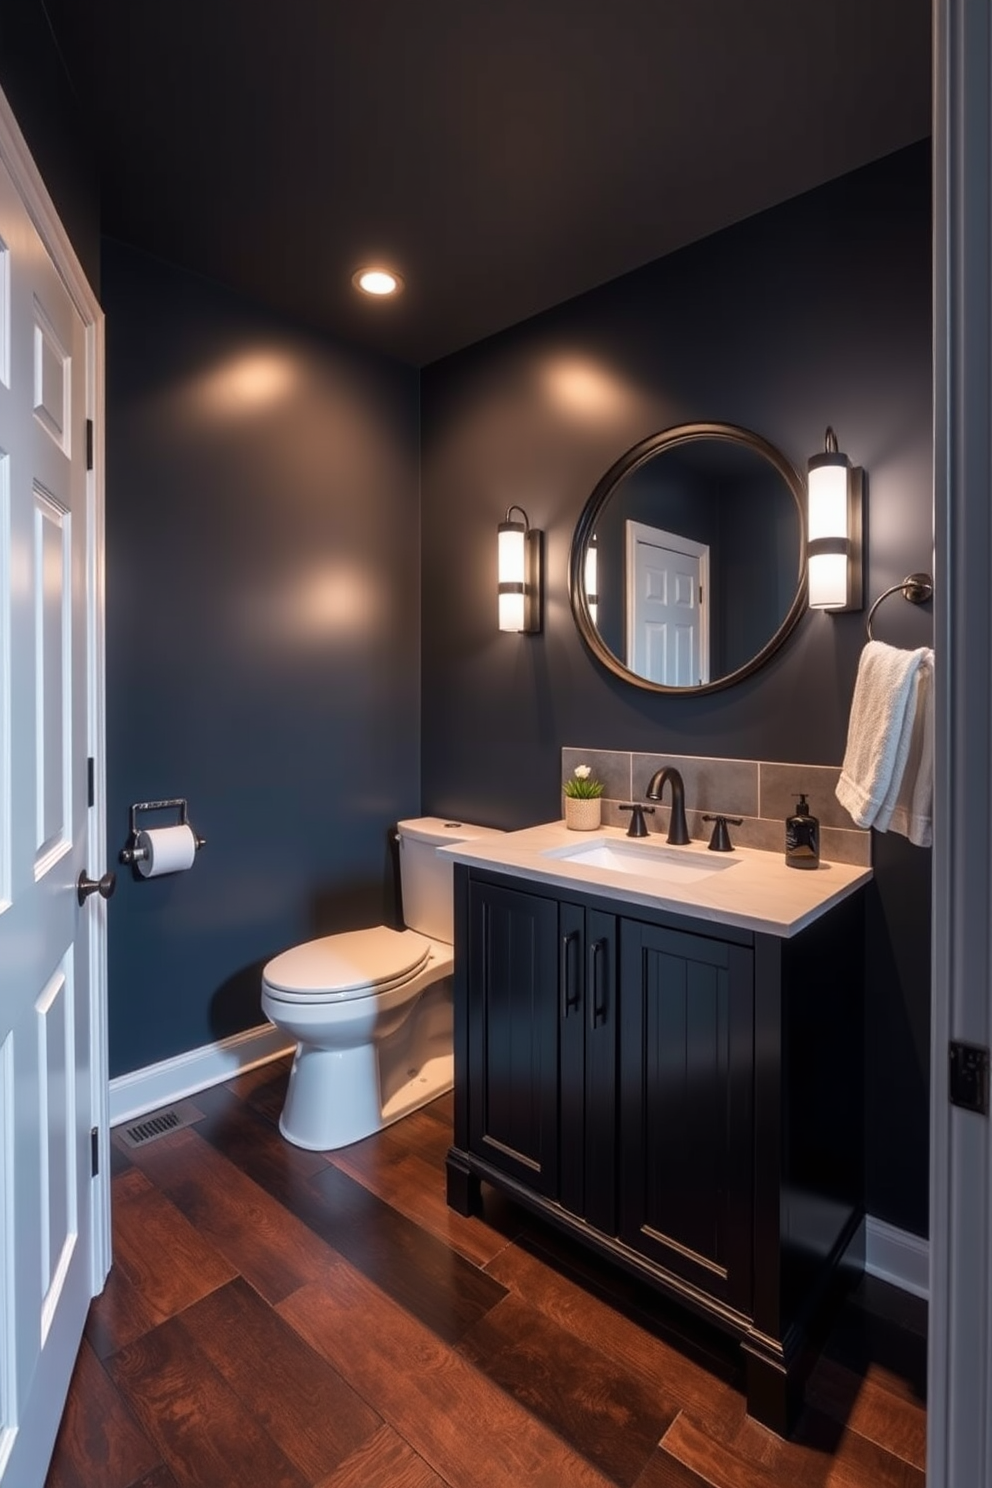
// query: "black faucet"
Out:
[678,832]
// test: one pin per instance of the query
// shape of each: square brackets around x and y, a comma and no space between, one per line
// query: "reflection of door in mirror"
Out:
[667,590]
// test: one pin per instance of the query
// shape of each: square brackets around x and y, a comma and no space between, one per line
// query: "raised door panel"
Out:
[686,1107]
[513,1033]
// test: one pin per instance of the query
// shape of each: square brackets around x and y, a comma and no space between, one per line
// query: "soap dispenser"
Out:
[802,838]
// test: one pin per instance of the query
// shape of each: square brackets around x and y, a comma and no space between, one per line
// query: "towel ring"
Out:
[916,587]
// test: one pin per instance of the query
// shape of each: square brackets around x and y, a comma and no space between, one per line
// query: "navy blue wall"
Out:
[54,123]
[815,312]
[263,653]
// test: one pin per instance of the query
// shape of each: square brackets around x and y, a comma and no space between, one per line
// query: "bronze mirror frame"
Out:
[605,489]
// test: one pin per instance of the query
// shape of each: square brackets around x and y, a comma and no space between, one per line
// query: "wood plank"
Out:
[417,1133]
[273,1250]
[418,1271]
[264,1088]
[300,1400]
[273,1072]
[204,1434]
[161,1264]
[235,1129]
[423,1274]
[99,1440]
[168,1263]
[443,1110]
[823,1453]
[118,1316]
[417,1189]
[664,1471]
[893,1353]
[611,1415]
[159,1477]
[127,1184]
[384,1461]
[119,1160]
[871,1409]
[466,1428]
[630,1346]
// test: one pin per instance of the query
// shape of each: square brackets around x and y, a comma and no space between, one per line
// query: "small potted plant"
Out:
[582,800]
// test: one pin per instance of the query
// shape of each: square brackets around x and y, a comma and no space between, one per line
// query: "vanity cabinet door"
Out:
[513,1033]
[686,1071]
[588,1010]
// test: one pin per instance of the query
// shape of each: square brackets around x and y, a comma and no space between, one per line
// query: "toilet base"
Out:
[309,1120]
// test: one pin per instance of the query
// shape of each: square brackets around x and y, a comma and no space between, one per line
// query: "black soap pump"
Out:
[802,838]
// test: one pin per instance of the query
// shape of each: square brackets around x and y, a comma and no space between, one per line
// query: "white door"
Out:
[48,1265]
[667,591]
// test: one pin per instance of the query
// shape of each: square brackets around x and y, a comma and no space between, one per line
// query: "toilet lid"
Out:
[356,963]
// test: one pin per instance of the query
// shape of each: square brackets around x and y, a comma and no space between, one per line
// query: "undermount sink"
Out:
[669,865]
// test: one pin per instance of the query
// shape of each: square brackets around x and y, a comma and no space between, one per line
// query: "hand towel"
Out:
[908,808]
[880,729]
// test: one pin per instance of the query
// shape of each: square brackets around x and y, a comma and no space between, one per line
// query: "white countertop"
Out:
[750,889]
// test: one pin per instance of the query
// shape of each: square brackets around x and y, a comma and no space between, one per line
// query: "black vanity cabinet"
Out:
[684,1097]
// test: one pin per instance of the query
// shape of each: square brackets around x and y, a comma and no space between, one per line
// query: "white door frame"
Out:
[16,156]
[959,1418]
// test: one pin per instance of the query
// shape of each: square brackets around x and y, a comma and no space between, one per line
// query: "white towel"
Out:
[880,731]
[908,808]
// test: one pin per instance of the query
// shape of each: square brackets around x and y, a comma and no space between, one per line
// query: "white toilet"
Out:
[371,1010]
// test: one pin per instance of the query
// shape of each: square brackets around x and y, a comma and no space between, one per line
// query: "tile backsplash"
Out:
[762,792]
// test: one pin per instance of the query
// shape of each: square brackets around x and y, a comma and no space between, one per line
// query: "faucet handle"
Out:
[720,840]
[638,826]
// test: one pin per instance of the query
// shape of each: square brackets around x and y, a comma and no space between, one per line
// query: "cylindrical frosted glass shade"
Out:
[828,581]
[511,575]
[828,501]
[511,612]
[829,530]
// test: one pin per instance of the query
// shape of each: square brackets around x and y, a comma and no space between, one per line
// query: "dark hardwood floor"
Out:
[276,1318]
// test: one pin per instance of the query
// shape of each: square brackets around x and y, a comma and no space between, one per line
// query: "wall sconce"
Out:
[835,512]
[519,574]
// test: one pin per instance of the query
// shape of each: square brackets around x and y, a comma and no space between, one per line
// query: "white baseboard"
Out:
[157,1085]
[896,1256]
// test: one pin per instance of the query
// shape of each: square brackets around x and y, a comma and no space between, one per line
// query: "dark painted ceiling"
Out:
[503,155]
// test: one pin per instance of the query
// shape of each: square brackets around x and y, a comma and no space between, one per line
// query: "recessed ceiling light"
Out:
[377,281]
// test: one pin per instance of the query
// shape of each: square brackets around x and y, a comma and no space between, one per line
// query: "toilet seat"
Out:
[353,964]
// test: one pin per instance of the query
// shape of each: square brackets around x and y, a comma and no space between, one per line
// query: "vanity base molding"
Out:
[683,1098]
[775,1371]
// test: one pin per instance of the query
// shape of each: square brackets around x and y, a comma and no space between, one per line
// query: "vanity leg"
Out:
[464,1189]
[775,1390]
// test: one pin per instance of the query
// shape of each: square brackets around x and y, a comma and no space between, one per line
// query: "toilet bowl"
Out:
[371,1010]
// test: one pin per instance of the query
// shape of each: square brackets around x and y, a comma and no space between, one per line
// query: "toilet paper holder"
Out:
[131,852]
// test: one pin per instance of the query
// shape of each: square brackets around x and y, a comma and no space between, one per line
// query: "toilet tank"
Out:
[426,876]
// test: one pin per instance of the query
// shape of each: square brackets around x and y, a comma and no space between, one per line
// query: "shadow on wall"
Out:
[363,902]
[236,1004]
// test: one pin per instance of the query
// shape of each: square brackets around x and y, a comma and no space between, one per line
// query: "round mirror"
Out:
[688,563]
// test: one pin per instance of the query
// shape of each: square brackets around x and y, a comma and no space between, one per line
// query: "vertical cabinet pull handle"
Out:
[597,984]
[571,996]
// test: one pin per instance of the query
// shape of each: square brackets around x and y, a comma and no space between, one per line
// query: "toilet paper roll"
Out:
[168,850]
